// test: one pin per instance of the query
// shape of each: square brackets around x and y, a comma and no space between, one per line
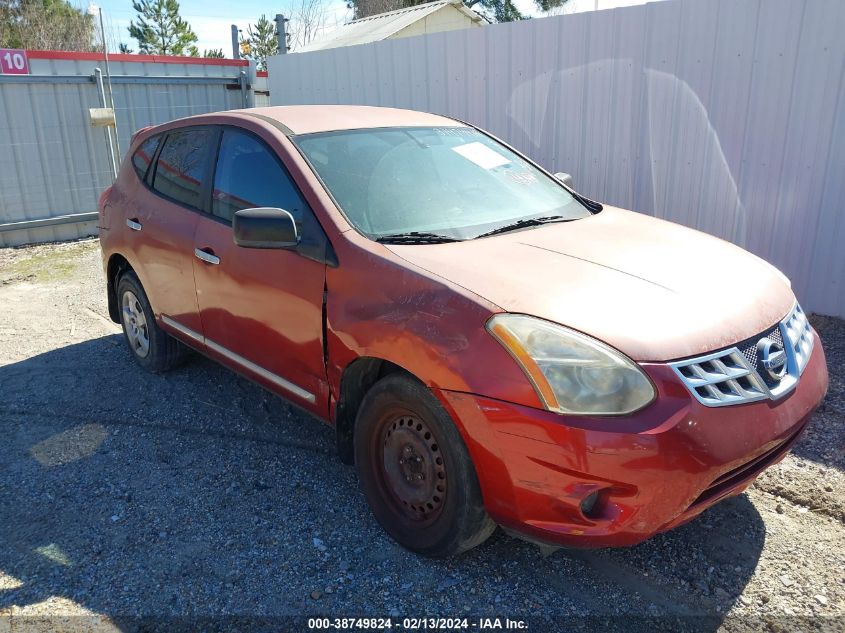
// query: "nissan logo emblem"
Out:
[773,358]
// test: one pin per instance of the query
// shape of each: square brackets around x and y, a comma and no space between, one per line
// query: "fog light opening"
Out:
[591,505]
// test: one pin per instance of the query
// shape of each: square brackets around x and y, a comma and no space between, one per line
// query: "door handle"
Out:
[133,224]
[208,258]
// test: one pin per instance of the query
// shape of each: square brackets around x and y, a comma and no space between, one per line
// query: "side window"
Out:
[181,166]
[248,175]
[143,156]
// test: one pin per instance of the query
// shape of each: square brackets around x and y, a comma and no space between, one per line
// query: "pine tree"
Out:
[214,52]
[261,42]
[160,30]
[499,10]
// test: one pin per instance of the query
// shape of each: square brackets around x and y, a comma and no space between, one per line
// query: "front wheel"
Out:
[416,472]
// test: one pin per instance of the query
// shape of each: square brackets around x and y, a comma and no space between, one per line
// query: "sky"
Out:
[212,19]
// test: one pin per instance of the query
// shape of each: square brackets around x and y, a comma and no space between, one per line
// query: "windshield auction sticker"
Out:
[481,155]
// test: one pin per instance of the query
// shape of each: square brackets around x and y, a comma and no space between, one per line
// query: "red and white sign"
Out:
[13,62]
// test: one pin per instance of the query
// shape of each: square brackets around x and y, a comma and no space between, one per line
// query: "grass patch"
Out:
[44,263]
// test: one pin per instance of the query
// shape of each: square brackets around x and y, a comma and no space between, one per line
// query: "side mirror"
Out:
[566,179]
[264,227]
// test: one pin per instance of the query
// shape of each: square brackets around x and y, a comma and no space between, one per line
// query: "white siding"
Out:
[724,115]
[446,19]
[443,15]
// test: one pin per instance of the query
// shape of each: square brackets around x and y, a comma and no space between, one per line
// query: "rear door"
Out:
[261,309]
[164,221]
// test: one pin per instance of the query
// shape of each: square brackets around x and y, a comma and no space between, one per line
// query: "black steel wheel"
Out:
[416,472]
[413,468]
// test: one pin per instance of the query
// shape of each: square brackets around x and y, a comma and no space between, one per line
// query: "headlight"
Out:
[572,373]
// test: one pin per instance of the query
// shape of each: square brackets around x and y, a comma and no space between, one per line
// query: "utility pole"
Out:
[236,52]
[281,33]
[107,103]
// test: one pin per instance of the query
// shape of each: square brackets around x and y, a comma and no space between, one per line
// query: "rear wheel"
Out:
[416,472]
[151,347]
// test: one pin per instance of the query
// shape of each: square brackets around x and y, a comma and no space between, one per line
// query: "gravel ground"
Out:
[125,495]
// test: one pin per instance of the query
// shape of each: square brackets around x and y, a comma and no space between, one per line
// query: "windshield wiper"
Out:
[524,223]
[415,237]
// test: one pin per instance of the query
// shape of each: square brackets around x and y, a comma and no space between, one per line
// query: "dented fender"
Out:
[392,310]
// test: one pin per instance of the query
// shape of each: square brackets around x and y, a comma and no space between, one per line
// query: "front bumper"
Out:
[653,470]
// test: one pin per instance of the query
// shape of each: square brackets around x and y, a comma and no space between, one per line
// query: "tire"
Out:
[416,471]
[151,347]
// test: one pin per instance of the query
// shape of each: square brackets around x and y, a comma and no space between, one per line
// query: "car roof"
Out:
[307,119]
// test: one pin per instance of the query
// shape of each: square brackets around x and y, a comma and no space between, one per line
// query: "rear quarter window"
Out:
[143,156]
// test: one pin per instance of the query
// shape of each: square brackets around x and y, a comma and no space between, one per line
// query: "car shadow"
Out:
[132,494]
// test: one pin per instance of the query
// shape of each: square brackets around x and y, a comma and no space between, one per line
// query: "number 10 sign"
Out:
[13,62]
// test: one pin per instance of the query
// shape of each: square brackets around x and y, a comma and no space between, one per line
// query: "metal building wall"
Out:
[261,94]
[724,115]
[54,164]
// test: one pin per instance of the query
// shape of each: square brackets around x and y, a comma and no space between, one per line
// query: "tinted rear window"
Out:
[143,156]
[181,166]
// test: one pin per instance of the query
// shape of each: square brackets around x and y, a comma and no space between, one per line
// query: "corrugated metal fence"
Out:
[54,164]
[724,115]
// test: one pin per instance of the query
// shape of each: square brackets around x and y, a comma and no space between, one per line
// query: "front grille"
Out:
[722,378]
[749,350]
[737,375]
[800,335]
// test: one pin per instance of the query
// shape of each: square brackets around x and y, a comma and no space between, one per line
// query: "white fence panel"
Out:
[724,115]
[54,164]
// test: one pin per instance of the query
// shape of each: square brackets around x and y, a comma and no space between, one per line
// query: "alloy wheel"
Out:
[135,324]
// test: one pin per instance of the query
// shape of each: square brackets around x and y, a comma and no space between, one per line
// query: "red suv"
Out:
[491,346]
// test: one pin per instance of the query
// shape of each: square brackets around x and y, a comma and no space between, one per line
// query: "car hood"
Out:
[653,289]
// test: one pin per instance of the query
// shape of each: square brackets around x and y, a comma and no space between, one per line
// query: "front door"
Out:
[261,309]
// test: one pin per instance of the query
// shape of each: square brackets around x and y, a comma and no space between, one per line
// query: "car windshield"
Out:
[454,182]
